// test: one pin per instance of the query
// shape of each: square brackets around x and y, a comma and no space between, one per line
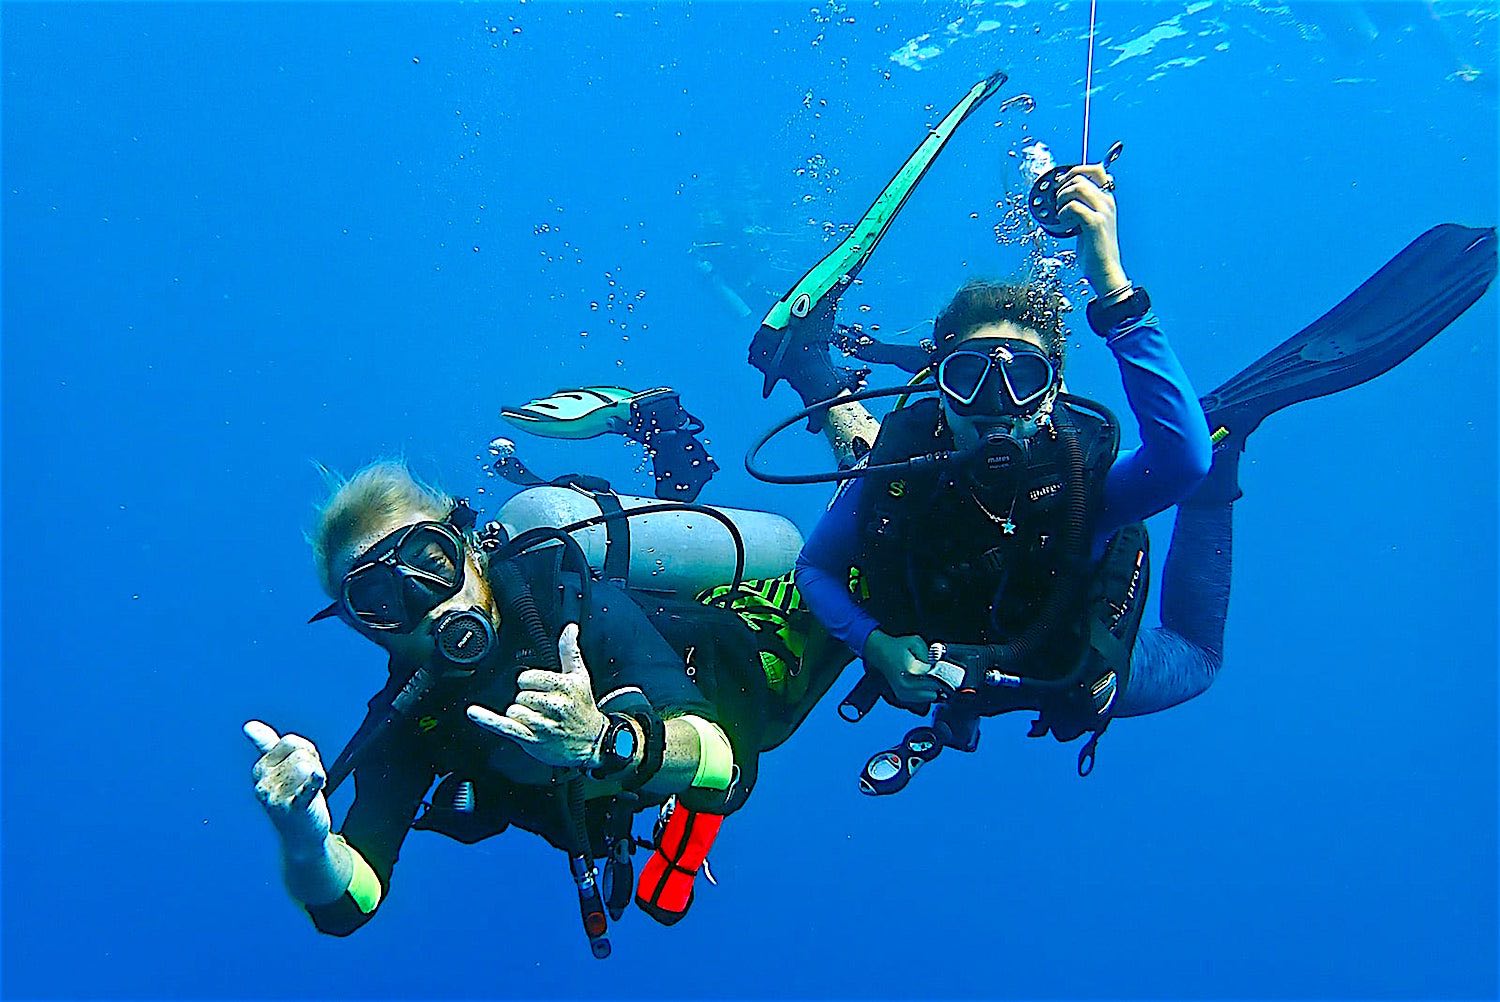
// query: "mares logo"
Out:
[1045,491]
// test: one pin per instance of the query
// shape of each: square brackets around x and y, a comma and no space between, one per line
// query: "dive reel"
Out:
[1043,198]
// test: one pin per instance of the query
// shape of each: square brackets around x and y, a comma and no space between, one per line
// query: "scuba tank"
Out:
[673,551]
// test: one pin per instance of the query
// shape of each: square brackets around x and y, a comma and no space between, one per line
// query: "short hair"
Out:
[381,491]
[981,302]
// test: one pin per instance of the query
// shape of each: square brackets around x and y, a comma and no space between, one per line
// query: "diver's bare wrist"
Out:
[303,849]
[596,749]
[1111,284]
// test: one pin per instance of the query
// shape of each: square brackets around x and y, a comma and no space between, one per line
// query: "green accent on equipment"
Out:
[715,756]
[364,886]
[773,608]
[820,288]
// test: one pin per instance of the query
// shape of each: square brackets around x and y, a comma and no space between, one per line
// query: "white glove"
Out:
[554,716]
[289,780]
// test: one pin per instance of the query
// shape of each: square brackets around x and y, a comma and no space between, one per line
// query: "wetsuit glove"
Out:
[665,890]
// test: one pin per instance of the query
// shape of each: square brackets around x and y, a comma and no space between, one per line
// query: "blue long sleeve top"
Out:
[1172,459]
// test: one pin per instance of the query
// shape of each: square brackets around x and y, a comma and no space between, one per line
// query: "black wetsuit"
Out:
[621,648]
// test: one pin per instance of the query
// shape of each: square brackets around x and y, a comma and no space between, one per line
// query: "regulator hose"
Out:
[570,800]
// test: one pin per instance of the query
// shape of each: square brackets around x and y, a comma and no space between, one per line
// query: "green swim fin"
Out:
[587,412]
[816,294]
[1397,310]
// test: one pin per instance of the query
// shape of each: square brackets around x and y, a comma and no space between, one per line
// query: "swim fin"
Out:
[680,463]
[802,320]
[587,412]
[1396,311]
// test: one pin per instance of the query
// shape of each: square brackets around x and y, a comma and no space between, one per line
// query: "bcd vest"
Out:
[950,560]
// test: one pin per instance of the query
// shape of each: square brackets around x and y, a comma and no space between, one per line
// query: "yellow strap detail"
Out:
[715,757]
[364,886]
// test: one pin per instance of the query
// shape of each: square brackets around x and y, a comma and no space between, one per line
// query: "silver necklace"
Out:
[1006,524]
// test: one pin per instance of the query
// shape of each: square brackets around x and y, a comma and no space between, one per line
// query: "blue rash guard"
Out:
[1173,457]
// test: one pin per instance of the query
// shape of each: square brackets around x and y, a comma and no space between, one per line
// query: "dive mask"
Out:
[395,583]
[405,574]
[998,376]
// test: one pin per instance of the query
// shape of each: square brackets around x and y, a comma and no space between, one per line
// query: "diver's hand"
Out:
[554,716]
[1082,201]
[289,779]
[902,662]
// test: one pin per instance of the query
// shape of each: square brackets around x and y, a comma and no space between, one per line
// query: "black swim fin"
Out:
[1396,311]
[680,463]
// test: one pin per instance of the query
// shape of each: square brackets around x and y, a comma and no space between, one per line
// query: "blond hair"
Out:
[377,495]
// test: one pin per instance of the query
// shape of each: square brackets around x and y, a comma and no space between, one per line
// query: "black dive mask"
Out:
[990,377]
[396,582]
[403,576]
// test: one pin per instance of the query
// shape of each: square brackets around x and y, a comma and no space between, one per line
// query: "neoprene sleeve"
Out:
[1175,453]
[1172,459]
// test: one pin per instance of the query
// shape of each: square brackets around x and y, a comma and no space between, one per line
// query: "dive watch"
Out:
[1106,319]
[618,746]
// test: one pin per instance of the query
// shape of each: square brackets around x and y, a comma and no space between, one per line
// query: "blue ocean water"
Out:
[242,239]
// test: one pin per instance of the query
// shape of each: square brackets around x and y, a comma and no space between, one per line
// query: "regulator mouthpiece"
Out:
[464,636]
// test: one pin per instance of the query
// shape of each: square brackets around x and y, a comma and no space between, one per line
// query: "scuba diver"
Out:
[542,698]
[1021,546]
[986,552]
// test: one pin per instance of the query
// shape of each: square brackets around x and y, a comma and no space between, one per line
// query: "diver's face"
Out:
[969,429]
[416,644]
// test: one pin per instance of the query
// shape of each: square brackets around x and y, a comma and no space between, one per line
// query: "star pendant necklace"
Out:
[1006,524]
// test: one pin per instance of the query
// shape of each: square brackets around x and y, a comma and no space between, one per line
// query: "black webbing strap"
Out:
[616,569]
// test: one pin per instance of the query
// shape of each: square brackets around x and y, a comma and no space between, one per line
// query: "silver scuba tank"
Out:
[680,551]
